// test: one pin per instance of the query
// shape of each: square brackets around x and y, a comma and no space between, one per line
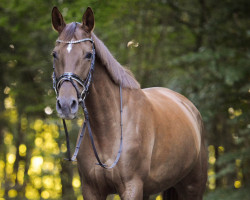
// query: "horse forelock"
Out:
[68,32]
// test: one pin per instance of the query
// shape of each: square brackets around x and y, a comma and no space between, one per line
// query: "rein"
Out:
[71,77]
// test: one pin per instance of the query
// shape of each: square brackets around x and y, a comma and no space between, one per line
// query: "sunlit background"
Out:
[199,48]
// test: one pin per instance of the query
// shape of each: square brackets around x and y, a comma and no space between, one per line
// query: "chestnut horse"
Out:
[163,135]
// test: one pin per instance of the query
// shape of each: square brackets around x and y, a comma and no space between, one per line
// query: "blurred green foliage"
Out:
[199,48]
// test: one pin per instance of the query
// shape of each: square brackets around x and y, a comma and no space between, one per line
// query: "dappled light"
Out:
[48,110]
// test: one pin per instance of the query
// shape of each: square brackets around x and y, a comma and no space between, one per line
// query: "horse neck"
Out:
[103,103]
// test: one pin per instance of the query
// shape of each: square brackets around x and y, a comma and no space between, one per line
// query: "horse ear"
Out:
[57,20]
[88,20]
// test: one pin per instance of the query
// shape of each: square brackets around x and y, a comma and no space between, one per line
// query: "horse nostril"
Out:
[67,107]
[58,104]
[74,105]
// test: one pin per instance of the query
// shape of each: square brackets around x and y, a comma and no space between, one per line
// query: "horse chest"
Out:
[102,180]
[109,179]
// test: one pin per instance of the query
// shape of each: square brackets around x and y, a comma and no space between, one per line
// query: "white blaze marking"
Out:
[69,47]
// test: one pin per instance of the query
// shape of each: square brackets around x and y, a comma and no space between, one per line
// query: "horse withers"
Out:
[163,148]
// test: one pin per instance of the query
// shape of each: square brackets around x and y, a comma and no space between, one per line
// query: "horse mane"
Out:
[119,74]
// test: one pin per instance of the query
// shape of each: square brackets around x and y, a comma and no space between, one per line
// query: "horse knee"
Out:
[133,191]
[92,194]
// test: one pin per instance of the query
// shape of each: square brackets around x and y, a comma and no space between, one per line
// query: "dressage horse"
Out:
[163,147]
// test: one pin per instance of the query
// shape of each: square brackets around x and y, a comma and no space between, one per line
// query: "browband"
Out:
[75,41]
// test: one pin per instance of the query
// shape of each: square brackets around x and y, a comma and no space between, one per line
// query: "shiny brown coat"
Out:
[163,143]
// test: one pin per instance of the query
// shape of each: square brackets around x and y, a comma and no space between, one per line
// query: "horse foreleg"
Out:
[91,194]
[133,190]
[170,194]
[193,186]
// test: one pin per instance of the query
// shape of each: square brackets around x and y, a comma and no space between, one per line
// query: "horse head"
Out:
[74,56]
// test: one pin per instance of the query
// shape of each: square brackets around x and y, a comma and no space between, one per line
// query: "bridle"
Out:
[71,77]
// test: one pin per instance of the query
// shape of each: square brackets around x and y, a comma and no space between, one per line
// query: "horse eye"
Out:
[88,55]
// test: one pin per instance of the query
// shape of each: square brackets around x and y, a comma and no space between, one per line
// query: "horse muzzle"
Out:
[67,107]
